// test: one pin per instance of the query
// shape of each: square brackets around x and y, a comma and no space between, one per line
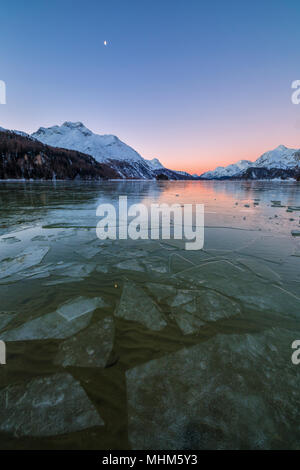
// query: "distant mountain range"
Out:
[281,162]
[72,151]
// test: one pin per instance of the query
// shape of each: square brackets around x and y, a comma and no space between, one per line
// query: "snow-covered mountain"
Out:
[107,149]
[75,136]
[104,148]
[279,158]
[25,158]
[234,169]
[155,164]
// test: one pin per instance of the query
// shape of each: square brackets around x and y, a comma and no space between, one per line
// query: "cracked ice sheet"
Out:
[260,268]
[271,248]
[136,305]
[152,265]
[240,284]
[192,309]
[228,238]
[161,291]
[157,265]
[130,265]
[9,240]
[89,348]
[70,272]
[69,318]
[219,394]
[88,252]
[13,268]
[47,406]
[80,306]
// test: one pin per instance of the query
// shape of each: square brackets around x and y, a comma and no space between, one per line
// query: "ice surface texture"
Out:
[230,392]
[136,305]
[27,259]
[89,348]
[46,406]
[69,318]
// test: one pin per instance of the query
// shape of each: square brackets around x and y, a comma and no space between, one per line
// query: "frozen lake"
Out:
[141,344]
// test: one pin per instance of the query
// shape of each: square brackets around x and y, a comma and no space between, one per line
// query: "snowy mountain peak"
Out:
[281,147]
[281,157]
[73,125]
[155,164]
[78,126]
[234,169]
[75,136]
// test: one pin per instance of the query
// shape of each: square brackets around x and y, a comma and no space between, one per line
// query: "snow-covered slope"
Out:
[23,157]
[158,168]
[20,133]
[155,164]
[234,169]
[183,173]
[281,158]
[75,136]
[104,148]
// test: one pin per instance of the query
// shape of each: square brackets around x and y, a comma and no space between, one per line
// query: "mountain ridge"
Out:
[23,156]
[280,158]
[105,148]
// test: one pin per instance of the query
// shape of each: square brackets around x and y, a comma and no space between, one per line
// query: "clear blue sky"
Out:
[195,83]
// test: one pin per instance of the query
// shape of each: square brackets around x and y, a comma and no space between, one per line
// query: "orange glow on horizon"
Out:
[207,161]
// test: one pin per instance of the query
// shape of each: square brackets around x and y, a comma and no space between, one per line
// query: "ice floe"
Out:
[161,291]
[88,252]
[47,406]
[70,272]
[9,240]
[28,258]
[80,306]
[89,348]
[68,320]
[189,324]
[136,305]
[241,285]
[130,265]
[230,392]
[156,265]
[191,309]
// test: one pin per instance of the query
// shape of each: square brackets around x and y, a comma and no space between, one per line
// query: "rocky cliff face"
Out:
[23,157]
